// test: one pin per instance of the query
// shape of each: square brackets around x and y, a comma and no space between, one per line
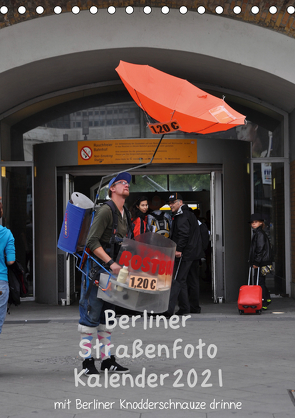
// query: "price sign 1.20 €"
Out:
[143,283]
[164,128]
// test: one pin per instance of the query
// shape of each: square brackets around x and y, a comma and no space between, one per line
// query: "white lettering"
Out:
[136,346]
[200,347]
[88,349]
[77,378]
[176,347]
[124,354]
[110,318]
[214,348]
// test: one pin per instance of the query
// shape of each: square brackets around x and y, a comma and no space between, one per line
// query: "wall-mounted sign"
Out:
[137,151]
[266,173]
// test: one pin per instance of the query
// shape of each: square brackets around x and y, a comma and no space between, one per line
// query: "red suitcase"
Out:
[250,297]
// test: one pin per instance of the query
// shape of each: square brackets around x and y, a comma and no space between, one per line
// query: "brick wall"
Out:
[281,22]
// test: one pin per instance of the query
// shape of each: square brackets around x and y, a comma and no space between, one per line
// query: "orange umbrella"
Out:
[166,98]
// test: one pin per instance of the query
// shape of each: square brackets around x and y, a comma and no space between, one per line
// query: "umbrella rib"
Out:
[146,114]
[208,127]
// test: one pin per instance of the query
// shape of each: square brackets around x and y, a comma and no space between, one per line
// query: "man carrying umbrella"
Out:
[103,241]
[185,232]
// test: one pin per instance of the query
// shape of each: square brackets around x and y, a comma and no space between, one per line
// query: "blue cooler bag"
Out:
[74,229]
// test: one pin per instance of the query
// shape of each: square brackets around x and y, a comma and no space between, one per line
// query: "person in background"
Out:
[185,232]
[193,278]
[139,212]
[7,257]
[260,255]
[259,137]
[208,250]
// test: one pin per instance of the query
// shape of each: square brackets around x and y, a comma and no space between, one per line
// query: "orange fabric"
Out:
[139,225]
[164,96]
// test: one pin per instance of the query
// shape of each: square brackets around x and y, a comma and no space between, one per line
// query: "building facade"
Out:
[59,89]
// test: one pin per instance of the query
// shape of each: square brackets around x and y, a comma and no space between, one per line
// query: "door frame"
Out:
[216,237]
[216,202]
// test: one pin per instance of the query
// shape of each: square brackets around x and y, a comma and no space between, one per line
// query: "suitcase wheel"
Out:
[258,312]
[241,312]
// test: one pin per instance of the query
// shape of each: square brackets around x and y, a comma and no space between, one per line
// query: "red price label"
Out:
[143,283]
[164,128]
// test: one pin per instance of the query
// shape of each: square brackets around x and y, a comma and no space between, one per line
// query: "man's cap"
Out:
[256,217]
[174,196]
[122,176]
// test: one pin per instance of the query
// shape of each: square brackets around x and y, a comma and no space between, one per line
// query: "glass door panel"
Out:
[17,199]
[270,202]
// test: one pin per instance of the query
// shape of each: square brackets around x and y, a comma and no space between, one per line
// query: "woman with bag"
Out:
[260,255]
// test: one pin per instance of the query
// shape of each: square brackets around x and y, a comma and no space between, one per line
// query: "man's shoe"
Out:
[198,310]
[181,312]
[112,366]
[264,308]
[268,302]
[89,367]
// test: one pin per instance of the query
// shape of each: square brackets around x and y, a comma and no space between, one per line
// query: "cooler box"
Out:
[76,224]
[150,261]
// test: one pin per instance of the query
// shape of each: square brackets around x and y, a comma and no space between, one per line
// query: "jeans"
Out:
[4,288]
[92,309]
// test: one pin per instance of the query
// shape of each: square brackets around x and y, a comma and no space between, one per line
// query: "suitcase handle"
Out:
[250,269]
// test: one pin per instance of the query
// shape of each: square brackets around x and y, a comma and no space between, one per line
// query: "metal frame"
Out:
[217,265]
[287,212]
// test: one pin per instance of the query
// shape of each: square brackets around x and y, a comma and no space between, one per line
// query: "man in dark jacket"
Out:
[185,232]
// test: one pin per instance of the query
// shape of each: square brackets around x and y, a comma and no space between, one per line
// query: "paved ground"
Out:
[245,367]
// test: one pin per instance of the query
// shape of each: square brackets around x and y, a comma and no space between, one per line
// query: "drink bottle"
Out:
[122,277]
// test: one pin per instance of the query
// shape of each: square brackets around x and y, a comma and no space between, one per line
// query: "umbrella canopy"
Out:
[165,97]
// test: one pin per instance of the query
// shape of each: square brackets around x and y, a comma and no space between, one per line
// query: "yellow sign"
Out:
[164,128]
[143,283]
[137,151]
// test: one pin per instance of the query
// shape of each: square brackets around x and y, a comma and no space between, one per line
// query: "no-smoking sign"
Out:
[86,153]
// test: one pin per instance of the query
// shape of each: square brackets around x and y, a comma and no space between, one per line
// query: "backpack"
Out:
[18,287]
[159,222]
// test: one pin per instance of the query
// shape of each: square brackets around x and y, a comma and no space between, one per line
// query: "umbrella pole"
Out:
[130,169]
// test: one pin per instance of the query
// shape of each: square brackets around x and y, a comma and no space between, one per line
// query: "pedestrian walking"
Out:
[260,255]
[7,257]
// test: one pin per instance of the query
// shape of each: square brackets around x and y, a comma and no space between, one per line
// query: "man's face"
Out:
[175,205]
[121,188]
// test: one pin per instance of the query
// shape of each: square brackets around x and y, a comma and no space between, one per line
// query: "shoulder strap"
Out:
[112,205]
[129,224]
